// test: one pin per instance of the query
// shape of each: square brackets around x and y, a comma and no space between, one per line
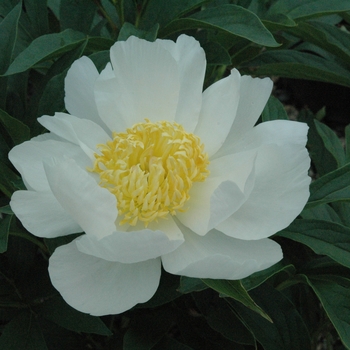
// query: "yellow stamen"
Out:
[150,169]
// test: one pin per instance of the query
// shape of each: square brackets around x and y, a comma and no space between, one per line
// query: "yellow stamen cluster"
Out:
[150,169]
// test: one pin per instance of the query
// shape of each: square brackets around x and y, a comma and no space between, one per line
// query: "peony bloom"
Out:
[156,172]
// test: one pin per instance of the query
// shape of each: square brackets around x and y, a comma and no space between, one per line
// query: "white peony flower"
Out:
[157,172]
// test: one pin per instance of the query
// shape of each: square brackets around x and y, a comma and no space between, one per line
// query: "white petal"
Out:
[167,226]
[47,136]
[224,191]
[280,192]
[197,216]
[101,287]
[109,99]
[28,158]
[79,88]
[220,257]
[146,85]
[254,94]
[278,132]
[42,215]
[191,63]
[130,247]
[220,102]
[107,73]
[94,208]
[81,132]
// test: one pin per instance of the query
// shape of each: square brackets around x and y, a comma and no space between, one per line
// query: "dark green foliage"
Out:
[296,304]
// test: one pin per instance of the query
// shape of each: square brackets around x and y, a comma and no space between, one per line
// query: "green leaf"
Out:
[100,59]
[129,29]
[333,293]
[273,110]
[324,265]
[230,19]
[45,48]
[299,65]
[221,318]
[243,51]
[17,96]
[7,180]
[23,332]
[58,311]
[280,21]
[257,278]
[321,212]
[19,184]
[156,12]
[331,142]
[343,211]
[189,285]
[287,331]
[323,237]
[298,9]
[332,187]
[235,290]
[6,210]
[33,23]
[5,7]
[216,54]
[36,15]
[320,156]
[77,15]
[52,99]
[97,43]
[8,37]
[347,143]
[4,232]
[326,36]
[18,131]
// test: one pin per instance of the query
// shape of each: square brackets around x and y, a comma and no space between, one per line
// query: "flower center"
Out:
[150,169]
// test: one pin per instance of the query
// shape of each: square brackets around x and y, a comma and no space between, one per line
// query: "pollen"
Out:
[150,169]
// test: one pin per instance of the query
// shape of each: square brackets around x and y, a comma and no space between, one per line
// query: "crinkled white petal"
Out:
[254,94]
[94,208]
[28,158]
[218,256]
[280,192]
[191,61]
[42,215]
[146,85]
[131,247]
[79,90]
[224,191]
[220,102]
[100,287]
[82,132]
